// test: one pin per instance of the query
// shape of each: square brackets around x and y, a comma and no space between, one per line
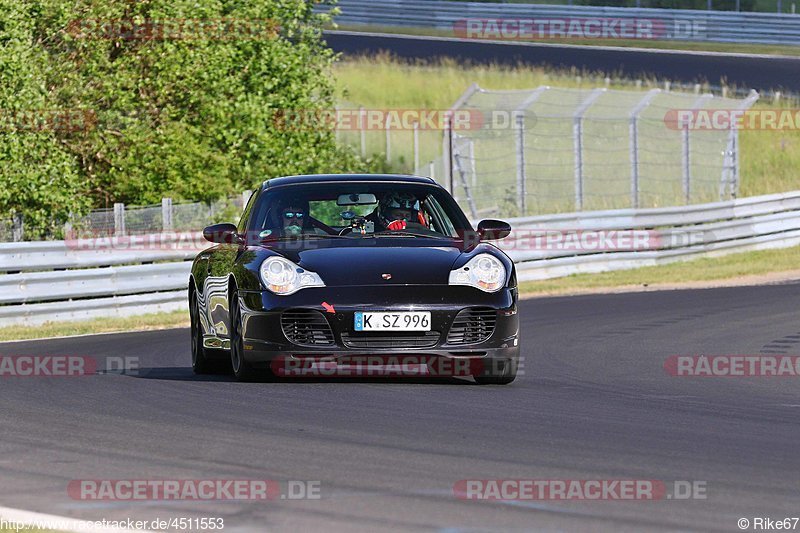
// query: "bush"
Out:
[186,118]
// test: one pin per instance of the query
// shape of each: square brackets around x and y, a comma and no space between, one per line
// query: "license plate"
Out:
[385,321]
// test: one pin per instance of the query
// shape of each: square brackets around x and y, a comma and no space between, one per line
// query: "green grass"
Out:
[100,325]
[739,48]
[705,270]
[769,159]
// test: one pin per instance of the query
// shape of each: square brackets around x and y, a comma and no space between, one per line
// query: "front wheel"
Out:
[241,368]
[200,362]
[497,372]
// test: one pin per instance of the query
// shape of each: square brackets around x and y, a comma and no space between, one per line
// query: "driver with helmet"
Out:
[398,211]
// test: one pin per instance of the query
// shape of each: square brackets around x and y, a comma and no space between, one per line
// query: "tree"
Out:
[182,95]
[39,176]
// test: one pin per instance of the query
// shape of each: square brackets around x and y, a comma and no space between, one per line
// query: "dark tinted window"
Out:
[315,209]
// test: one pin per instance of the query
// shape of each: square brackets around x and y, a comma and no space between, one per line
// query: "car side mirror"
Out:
[493,230]
[222,234]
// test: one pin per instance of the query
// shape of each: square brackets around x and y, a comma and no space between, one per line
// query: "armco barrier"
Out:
[122,306]
[35,293]
[97,252]
[681,24]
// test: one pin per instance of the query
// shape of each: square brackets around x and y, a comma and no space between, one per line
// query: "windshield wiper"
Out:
[402,233]
[299,238]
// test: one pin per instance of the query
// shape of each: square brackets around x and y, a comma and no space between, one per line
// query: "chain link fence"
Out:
[762,6]
[551,150]
[167,216]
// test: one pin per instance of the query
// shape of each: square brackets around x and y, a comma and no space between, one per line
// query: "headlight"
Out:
[484,271]
[283,277]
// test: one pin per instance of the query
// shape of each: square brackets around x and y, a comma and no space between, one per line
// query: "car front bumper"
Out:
[265,323]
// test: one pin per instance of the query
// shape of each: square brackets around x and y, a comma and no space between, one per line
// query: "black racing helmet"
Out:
[395,203]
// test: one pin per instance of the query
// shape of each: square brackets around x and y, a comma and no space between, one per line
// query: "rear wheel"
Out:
[497,372]
[241,368]
[200,362]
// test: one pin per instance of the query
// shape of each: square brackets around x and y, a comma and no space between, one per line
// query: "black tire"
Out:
[242,370]
[497,372]
[200,362]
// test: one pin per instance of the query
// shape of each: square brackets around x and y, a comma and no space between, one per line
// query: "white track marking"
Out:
[57,523]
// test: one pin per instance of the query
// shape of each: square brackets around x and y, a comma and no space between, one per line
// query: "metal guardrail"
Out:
[92,283]
[35,296]
[98,252]
[672,24]
[665,216]
[122,306]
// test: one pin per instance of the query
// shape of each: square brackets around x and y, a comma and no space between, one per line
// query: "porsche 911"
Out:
[325,268]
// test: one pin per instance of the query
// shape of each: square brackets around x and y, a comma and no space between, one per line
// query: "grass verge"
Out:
[769,158]
[100,325]
[741,268]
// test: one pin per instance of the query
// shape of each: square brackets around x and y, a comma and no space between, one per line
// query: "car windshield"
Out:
[356,210]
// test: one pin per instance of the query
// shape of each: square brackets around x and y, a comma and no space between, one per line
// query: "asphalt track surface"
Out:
[761,72]
[594,403]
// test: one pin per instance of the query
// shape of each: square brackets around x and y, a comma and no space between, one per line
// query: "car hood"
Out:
[408,261]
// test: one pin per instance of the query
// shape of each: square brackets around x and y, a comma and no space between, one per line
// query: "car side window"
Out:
[440,222]
[242,227]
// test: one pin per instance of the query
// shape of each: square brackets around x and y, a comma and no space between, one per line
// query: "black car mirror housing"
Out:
[222,234]
[493,230]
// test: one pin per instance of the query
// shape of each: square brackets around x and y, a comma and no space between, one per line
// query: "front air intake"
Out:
[472,326]
[306,327]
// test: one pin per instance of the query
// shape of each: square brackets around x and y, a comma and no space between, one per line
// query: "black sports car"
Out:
[329,268]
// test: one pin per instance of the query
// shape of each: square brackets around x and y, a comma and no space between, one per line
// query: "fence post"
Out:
[119,219]
[18,227]
[519,126]
[388,127]
[166,214]
[432,170]
[447,141]
[362,130]
[687,165]
[730,165]
[416,148]
[634,144]
[246,198]
[459,166]
[519,123]
[577,134]
[472,164]
[447,154]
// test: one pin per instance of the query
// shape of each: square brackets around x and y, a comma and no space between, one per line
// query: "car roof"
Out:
[332,178]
